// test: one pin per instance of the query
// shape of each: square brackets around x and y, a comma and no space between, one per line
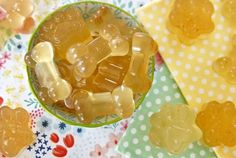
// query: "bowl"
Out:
[87,8]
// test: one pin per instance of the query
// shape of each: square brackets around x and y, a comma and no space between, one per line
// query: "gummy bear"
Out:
[217,122]
[174,128]
[15,132]
[191,19]
[226,66]
[89,105]
[14,17]
[58,88]
[229,11]
[111,73]
[64,29]
[137,76]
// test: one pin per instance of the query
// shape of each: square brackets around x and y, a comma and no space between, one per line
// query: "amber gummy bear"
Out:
[143,48]
[64,29]
[15,132]
[229,11]
[174,128]
[111,73]
[191,19]
[47,72]
[217,122]
[89,105]
[226,66]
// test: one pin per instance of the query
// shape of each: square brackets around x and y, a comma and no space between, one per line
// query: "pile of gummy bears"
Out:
[96,73]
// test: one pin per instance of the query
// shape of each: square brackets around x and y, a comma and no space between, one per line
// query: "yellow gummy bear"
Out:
[229,11]
[14,17]
[226,66]
[189,19]
[174,128]
[217,122]
[15,132]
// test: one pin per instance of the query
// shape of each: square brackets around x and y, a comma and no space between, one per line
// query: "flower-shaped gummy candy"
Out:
[217,122]
[229,11]
[226,66]
[189,19]
[15,132]
[174,128]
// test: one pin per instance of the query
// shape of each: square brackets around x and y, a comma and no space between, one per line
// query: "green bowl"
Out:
[87,8]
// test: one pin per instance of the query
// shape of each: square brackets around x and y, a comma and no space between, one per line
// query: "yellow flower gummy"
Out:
[189,19]
[174,128]
[15,132]
[217,122]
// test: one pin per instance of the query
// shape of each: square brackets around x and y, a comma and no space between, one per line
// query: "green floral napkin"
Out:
[135,143]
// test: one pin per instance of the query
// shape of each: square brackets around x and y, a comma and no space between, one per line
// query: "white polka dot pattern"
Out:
[136,141]
[191,66]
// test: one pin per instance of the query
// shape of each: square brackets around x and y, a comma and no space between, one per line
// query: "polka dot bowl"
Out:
[87,9]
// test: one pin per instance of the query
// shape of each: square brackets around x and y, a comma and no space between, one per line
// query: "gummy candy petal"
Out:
[217,121]
[191,19]
[171,130]
[15,133]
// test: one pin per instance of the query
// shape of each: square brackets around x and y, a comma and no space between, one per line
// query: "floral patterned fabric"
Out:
[53,135]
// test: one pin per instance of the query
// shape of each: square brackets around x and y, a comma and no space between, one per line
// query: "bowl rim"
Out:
[139,102]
